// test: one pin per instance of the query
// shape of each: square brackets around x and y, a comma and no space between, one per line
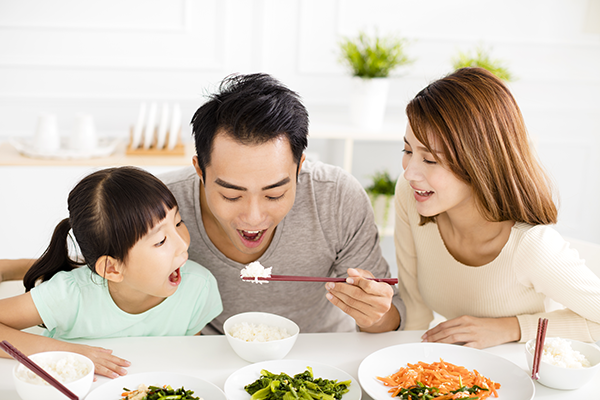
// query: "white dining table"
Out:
[212,359]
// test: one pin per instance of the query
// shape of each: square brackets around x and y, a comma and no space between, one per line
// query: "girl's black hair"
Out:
[109,211]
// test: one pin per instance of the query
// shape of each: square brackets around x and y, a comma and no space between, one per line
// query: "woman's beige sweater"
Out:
[535,264]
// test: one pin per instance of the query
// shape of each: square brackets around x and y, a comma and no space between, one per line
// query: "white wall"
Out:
[104,58]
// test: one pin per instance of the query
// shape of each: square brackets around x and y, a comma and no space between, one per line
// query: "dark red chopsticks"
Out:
[26,361]
[295,278]
[539,347]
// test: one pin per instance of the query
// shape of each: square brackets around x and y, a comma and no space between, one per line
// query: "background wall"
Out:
[104,58]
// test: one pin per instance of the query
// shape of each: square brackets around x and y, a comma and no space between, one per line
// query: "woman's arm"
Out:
[14,270]
[19,312]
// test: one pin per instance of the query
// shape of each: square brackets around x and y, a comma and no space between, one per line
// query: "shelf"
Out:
[9,156]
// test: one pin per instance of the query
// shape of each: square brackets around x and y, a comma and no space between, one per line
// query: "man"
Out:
[250,196]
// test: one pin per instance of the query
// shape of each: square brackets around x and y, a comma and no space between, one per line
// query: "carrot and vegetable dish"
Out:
[440,381]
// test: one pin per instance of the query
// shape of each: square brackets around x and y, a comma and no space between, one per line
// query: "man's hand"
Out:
[367,301]
[475,332]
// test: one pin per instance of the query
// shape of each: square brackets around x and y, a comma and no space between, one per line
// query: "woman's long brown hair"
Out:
[476,122]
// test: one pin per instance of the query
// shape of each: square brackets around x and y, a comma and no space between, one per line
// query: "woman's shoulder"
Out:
[542,244]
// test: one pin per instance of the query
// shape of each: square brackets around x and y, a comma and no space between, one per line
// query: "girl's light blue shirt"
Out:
[78,305]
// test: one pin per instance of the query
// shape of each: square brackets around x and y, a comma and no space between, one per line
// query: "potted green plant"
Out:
[480,57]
[381,194]
[371,59]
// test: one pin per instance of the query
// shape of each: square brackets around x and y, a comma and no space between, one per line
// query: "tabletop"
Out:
[211,358]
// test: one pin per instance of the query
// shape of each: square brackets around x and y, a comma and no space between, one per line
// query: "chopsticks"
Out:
[296,278]
[539,347]
[26,361]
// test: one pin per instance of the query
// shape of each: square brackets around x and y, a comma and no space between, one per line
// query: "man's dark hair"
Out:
[252,109]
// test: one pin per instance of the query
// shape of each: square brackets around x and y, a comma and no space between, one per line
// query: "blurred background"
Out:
[104,58]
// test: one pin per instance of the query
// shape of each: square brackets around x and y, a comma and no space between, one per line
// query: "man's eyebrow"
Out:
[228,185]
[275,185]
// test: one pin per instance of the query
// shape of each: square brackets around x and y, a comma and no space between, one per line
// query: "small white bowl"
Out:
[562,378]
[32,391]
[261,351]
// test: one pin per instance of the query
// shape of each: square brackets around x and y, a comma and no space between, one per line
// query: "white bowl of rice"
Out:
[73,370]
[566,364]
[259,336]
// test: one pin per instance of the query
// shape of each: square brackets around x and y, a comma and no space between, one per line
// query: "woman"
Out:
[472,234]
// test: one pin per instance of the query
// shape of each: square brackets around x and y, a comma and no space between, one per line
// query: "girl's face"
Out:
[152,267]
[436,188]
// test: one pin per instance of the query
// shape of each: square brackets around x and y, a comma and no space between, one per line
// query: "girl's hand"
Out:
[475,332]
[105,363]
[367,301]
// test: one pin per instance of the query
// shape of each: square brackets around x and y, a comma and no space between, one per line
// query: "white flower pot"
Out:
[367,105]
[383,208]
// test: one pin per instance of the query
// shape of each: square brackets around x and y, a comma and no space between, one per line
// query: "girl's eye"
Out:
[180,223]
[429,162]
[161,242]
[407,152]
[275,198]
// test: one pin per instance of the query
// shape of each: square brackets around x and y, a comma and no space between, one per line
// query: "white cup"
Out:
[46,136]
[84,137]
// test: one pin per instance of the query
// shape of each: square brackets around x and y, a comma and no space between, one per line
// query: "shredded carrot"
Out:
[442,375]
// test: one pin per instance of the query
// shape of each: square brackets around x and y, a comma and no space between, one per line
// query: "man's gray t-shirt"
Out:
[329,229]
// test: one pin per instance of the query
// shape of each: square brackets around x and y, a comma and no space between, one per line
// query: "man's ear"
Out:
[197,168]
[109,268]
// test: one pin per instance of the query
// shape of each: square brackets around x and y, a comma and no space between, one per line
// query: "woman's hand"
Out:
[367,301]
[475,332]
[105,363]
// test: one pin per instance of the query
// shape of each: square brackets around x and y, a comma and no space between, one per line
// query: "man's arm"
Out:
[14,270]
[375,306]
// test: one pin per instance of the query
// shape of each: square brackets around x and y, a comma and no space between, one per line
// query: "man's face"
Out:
[248,190]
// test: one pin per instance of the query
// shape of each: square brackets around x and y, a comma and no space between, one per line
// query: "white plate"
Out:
[516,383]
[234,385]
[112,390]
[105,148]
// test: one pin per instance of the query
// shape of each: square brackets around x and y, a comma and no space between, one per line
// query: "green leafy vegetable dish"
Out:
[301,386]
[166,392]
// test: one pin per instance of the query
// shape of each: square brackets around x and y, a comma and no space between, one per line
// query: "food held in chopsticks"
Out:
[255,270]
[439,380]
[301,386]
[256,273]
[166,392]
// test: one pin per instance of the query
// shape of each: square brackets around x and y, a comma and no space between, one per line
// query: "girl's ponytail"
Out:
[55,258]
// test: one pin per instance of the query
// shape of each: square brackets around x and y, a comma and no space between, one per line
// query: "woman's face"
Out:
[436,188]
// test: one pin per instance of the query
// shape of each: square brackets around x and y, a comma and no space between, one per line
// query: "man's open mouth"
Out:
[251,236]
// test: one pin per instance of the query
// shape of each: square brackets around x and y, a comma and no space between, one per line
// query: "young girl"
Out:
[139,282]
[472,233]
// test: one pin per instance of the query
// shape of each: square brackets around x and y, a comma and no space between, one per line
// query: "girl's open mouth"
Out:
[175,277]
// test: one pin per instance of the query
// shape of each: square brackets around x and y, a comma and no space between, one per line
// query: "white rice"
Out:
[65,370]
[558,352]
[256,270]
[258,333]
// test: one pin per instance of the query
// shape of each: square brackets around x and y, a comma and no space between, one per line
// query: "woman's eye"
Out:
[161,242]
[405,151]
[275,197]
[180,223]
[429,162]
[231,198]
